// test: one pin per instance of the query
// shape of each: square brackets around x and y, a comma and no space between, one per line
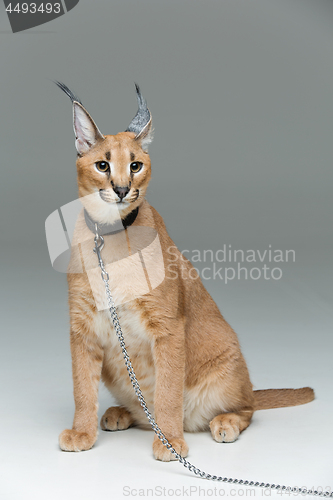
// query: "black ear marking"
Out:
[71,95]
[141,124]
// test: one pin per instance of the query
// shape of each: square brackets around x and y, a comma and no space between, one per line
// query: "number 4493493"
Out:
[32,8]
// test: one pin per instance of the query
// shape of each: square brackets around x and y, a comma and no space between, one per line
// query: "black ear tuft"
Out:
[141,101]
[67,91]
[142,119]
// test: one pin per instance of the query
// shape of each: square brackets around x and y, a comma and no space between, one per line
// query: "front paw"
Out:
[162,453]
[72,440]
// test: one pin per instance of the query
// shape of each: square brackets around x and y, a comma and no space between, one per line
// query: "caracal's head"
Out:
[113,170]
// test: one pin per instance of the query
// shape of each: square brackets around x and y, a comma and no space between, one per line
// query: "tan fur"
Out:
[185,355]
[116,418]
[280,398]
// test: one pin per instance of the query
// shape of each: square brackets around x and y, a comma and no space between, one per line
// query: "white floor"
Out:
[285,331]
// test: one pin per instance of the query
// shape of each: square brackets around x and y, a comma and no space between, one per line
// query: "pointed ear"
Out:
[145,137]
[86,131]
[141,123]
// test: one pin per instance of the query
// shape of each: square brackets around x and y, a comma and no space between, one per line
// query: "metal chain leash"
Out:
[99,243]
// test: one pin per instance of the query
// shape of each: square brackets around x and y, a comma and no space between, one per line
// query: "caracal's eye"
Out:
[102,166]
[136,166]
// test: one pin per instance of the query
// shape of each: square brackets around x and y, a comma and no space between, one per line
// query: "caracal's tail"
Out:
[279,398]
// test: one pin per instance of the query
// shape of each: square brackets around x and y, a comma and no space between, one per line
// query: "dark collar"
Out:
[119,225]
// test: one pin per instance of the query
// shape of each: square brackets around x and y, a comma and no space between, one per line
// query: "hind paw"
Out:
[224,430]
[116,418]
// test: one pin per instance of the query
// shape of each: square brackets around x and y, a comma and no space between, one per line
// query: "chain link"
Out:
[99,243]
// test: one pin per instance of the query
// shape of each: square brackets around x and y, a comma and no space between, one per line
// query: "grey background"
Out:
[241,97]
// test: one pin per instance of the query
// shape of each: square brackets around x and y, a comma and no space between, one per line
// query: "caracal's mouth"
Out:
[109,196]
